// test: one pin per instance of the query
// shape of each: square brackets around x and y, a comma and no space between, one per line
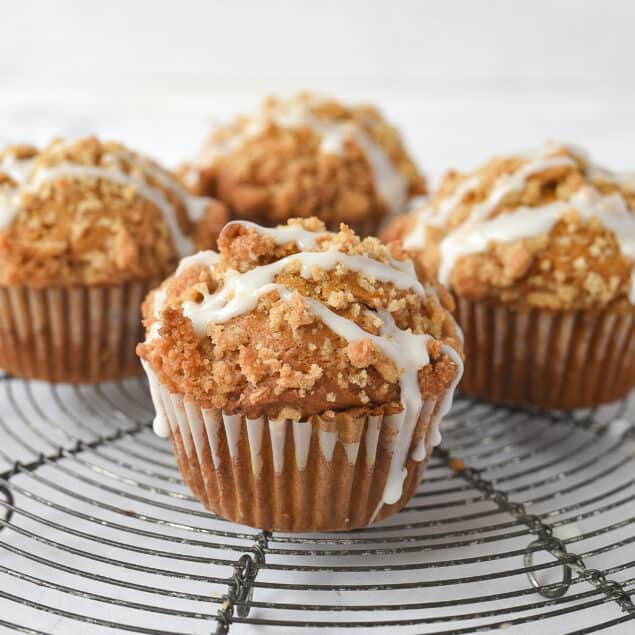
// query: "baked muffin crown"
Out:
[306,156]
[297,321]
[547,229]
[92,212]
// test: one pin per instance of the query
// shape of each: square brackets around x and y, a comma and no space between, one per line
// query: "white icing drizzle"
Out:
[625,179]
[303,238]
[307,239]
[157,309]
[160,424]
[515,182]
[18,169]
[391,185]
[9,206]
[182,242]
[206,258]
[524,222]
[479,230]
[409,352]
[443,408]
[28,179]
[241,291]
[429,215]
[10,203]
[195,206]
[420,451]
[447,206]
[505,185]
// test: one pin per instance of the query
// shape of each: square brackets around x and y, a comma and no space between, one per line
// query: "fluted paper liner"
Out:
[552,360]
[325,474]
[74,334]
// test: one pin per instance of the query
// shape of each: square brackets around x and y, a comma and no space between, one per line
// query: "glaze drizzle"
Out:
[480,230]
[29,178]
[390,184]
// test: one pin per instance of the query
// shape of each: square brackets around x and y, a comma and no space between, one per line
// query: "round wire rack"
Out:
[524,521]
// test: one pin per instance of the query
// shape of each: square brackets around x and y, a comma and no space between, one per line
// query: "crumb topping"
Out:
[269,326]
[87,212]
[549,230]
[307,156]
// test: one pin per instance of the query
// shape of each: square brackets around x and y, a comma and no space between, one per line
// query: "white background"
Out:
[463,79]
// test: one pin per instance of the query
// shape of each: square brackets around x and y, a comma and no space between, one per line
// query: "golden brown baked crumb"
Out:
[576,263]
[457,465]
[283,162]
[87,212]
[279,358]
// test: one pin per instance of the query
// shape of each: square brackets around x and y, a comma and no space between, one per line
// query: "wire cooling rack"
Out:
[524,521]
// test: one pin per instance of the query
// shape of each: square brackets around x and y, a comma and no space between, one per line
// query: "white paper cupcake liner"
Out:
[329,473]
[75,334]
[552,360]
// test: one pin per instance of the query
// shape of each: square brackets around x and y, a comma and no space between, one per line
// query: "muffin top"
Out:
[547,229]
[307,156]
[87,212]
[296,321]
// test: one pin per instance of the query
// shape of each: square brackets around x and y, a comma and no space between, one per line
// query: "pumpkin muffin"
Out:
[539,251]
[308,156]
[301,375]
[86,229]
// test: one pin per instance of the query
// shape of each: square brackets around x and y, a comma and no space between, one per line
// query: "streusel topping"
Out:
[548,229]
[296,321]
[87,212]
[307,156]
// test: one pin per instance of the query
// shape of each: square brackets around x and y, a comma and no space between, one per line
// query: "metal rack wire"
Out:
[524,521]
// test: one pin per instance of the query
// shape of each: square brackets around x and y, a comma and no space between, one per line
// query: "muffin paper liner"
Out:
[552,360]
[325,474]
[75,334]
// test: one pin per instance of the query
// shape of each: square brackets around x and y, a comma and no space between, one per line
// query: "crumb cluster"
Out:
[82,229]
[279,359]
[578,264]
[268,172]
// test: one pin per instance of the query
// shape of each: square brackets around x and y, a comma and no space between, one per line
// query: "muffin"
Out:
[301,375]
[86,229]
[538,250]
[307,156]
